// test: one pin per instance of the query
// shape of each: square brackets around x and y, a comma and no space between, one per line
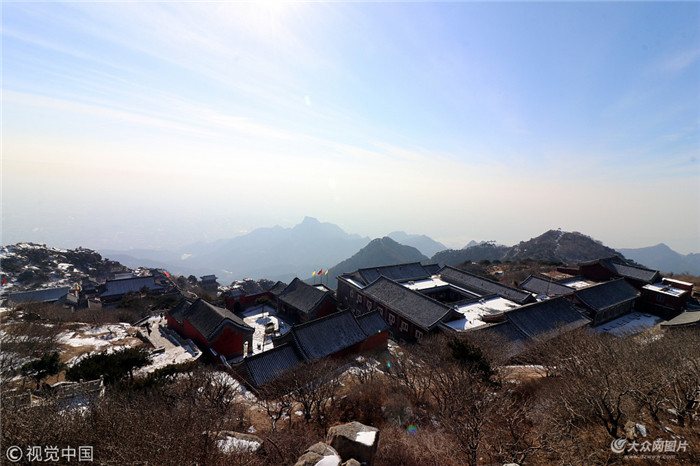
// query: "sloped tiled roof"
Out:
[302,296]
[482,286]
[685,318]
[129,285]
[398,272]
[264,367]
[546,317]
[541,286]
[412,305]
[278,288]
[630,271]
[178,312]
[207,318]
[328,335]
[505,330]
[372,322]
[41,296]
[607,294]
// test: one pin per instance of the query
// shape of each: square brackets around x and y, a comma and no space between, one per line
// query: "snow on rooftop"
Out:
[577,283]
[665,289]
[353,282]
[366,437]
[679,282]
[629,324]
[425,284]
[259,317]
[473,312]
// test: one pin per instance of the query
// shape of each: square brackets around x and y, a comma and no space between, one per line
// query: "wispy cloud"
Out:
[680,61]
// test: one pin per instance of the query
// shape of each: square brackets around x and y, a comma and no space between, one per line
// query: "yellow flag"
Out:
[326,272]
[313,273]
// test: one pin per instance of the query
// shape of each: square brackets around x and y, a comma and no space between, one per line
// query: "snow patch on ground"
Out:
[240,390]
[236,445]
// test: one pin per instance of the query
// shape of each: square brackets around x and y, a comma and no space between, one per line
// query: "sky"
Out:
[154,125]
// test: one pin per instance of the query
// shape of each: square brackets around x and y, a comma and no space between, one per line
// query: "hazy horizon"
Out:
[154,125]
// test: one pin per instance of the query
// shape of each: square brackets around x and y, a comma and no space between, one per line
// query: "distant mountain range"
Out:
[426,245]
[664,259]
[279,253]
[380,251]
[553,245]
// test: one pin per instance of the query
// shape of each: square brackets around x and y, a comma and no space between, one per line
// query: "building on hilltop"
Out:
[545,288]
[410,314]
[615,267]
[47,295]
[606,301]
[666,298]
[209,284]
[335,335]
[483,286]
[115,290]
[349,283]
[538,321]
[216,330]
[420,297]
[301,302]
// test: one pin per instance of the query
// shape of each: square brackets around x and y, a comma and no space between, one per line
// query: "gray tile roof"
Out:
[372,322]
[412,305]
[685,318]
[278,288]
[328,335]
[505,330]
[207,319]
[311,341]
[540,286]
[398,272]
[483,286]
[129,285]
[43,296]
[546,317]
[264,367]
[607,294]
[630,271]
[178,312]
[302,296]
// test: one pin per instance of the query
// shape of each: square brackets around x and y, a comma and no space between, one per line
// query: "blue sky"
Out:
[159,124]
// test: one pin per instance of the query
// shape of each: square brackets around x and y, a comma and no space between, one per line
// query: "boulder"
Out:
[354,440]
[319,454]
[351,462]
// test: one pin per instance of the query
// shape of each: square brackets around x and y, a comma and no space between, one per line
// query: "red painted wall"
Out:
[194,335]
[377,341]
[173,324]
[327,307]
[228,342]
[249,300]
